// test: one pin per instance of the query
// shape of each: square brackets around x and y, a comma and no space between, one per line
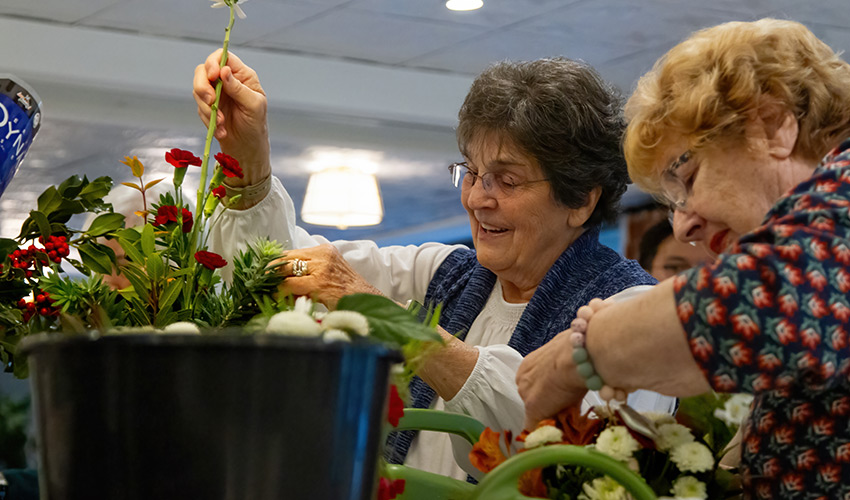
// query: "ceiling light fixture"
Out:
[342,197]
[464,4]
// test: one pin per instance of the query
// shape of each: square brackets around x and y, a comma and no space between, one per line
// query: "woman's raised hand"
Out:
[322,274]
[241,127]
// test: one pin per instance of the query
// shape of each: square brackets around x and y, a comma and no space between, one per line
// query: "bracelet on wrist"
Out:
[250,194]
[578,338]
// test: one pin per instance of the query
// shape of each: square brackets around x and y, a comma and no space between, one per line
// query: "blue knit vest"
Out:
[587,269]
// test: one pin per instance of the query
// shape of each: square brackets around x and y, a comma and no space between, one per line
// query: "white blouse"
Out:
[403,273]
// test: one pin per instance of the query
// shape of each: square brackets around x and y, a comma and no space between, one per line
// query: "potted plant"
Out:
[181,385]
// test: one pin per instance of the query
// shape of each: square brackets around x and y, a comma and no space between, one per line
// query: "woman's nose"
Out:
[478,196]
[688,226]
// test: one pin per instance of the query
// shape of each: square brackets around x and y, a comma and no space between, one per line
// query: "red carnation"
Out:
[210,260]
[229,165]
[396,406]
[181,158]
[219,192]
[168,213]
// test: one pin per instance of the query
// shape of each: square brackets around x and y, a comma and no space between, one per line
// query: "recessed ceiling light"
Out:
[464,4]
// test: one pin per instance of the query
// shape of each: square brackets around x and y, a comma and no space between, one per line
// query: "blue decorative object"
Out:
[20,119]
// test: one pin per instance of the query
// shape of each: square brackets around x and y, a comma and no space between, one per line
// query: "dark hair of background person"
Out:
[562,114]
[651,240]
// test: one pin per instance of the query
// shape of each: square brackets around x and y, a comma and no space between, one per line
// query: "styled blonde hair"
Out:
[707,87]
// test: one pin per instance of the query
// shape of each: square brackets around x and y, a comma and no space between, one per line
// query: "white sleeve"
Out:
[273,217]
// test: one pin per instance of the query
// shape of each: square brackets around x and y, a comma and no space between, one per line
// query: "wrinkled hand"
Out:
[241,127]
[548,380]
[329,277]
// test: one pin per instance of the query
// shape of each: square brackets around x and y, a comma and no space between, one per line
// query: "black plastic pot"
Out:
[133,417]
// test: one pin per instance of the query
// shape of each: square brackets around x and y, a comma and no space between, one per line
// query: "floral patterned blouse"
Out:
[771,317]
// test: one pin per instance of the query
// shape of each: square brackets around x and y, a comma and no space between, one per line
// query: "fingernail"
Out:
[228,77]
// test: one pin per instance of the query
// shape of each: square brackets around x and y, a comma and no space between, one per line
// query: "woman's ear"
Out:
[578,216]
[781,130]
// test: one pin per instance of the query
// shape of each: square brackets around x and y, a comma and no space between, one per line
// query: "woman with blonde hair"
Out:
[743,130]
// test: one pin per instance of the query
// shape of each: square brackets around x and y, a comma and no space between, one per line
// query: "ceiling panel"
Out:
[189,19]
[474,55]
[64,11]
[367,36]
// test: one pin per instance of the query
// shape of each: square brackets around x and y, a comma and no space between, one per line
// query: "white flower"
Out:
[673,435]
[303,305]
[217,4]
[335,335]
[616,442]
[182,327]
[543,435]
[735,410]
[659,418]
[293,323]
[350,321]
[603,488]
[692,457]
[689,487]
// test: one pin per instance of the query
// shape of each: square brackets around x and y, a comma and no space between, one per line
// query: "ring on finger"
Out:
[299,267]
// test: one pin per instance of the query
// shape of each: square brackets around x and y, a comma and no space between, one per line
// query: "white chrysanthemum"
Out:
[293,323]
[303,305]
[659,418]
[692,457]
[603,488]
[217,4]
[735,410]
[689,487]
[335,335]
[182,327]
[350,321]
[616,442]
[543,435]
[673,435]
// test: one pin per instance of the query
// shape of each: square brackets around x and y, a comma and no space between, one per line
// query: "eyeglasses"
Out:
[676,190]
[496,185]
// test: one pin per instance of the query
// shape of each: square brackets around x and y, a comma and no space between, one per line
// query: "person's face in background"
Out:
[674,256]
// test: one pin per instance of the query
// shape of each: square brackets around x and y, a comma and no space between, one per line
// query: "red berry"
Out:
[39,298]
[22,303]
[30,306]
[49,246]
[57,260]
[52,254]
[29,274]
[44,311]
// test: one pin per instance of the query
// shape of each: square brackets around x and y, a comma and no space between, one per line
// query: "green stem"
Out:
[199,204]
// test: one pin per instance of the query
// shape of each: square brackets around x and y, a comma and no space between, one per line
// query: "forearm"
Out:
[649,350]
[447,368]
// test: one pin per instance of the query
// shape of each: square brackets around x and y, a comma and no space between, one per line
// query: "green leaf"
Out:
[129,241]
[97,257]
[170,294]
[148,240]
[49,200]
[7,246]
[137,277]
[388,321]
[42,223]
[96,189]
[71,187]
[155,267]
[105,223]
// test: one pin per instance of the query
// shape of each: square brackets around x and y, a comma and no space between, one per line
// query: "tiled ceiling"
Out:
[417,39]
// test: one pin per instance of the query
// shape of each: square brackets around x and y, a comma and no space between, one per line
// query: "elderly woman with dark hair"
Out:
[542,168]
[744,129]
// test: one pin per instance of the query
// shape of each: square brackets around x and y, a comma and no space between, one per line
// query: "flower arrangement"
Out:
[678,457]
[174,277]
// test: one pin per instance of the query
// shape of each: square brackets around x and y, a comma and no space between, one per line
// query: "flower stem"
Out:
[210,131]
